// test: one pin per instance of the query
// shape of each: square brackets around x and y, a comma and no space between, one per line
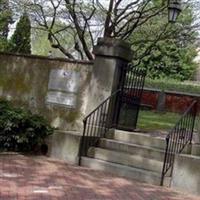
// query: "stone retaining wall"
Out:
[29,81]
[24,80]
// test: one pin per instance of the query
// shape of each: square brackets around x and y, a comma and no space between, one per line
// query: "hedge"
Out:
[173,85]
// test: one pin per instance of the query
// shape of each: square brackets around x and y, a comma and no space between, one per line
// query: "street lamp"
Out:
[174,9]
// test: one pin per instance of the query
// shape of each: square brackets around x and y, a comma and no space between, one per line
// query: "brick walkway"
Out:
[39,178]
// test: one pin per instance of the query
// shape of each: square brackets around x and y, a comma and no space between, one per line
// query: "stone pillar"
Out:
[111,56]
[161,101]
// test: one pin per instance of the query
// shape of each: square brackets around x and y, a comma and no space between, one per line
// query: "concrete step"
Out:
[137,138]
[126,159]
[122,170]
[135,149]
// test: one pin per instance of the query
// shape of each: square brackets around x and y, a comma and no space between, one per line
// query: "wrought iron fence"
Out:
[97,123]
[132,84]
[110,112]
[178,138]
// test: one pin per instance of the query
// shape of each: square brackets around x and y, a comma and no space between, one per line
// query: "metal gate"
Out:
[128,101]
[119,110]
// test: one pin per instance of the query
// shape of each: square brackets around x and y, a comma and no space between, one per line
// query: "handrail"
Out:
[113,94]
[179,137]
[97,123]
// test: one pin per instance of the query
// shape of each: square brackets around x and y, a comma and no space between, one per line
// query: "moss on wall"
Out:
[72,116]
[25,79]
[14,81]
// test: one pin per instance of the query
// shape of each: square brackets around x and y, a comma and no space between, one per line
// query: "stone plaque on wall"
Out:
[61,98]
[63,80]
[63,87]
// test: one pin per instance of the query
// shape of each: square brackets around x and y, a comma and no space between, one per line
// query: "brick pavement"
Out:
[40,178]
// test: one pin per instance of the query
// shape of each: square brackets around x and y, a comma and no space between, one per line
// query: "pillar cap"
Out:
[110,47]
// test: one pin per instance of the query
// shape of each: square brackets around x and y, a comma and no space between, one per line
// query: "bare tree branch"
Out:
[83,21]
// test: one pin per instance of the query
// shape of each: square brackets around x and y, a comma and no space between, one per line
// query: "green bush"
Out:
[172,85]
[20,130]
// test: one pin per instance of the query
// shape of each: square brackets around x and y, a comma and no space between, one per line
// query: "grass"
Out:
[151,121]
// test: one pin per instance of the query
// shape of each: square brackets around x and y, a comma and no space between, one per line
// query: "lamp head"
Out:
[174,9]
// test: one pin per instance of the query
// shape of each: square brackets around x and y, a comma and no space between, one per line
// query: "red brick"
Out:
[41,178]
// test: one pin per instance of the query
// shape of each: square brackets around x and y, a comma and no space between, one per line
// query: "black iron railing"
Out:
[97,123]
[178,138]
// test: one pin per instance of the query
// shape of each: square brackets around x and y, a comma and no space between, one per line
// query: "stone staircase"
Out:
[129,154]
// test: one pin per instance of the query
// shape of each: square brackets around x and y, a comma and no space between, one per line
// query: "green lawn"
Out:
[150,120]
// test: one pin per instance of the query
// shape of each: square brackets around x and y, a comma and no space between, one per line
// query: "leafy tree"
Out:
[39,42]
[3,44]
[169,60]
[173,50]
[20,41]
[5,20]
[41,46]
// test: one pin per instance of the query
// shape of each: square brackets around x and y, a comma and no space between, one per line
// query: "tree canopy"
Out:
[83,21]
[167,50]
[73,26]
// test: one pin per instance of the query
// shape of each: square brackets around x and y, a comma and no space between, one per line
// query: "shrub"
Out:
[20,130]
[172,85]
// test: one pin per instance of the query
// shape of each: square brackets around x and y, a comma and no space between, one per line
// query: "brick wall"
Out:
[174,101]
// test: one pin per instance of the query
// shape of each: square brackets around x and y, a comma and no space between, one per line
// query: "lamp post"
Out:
[174,9]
